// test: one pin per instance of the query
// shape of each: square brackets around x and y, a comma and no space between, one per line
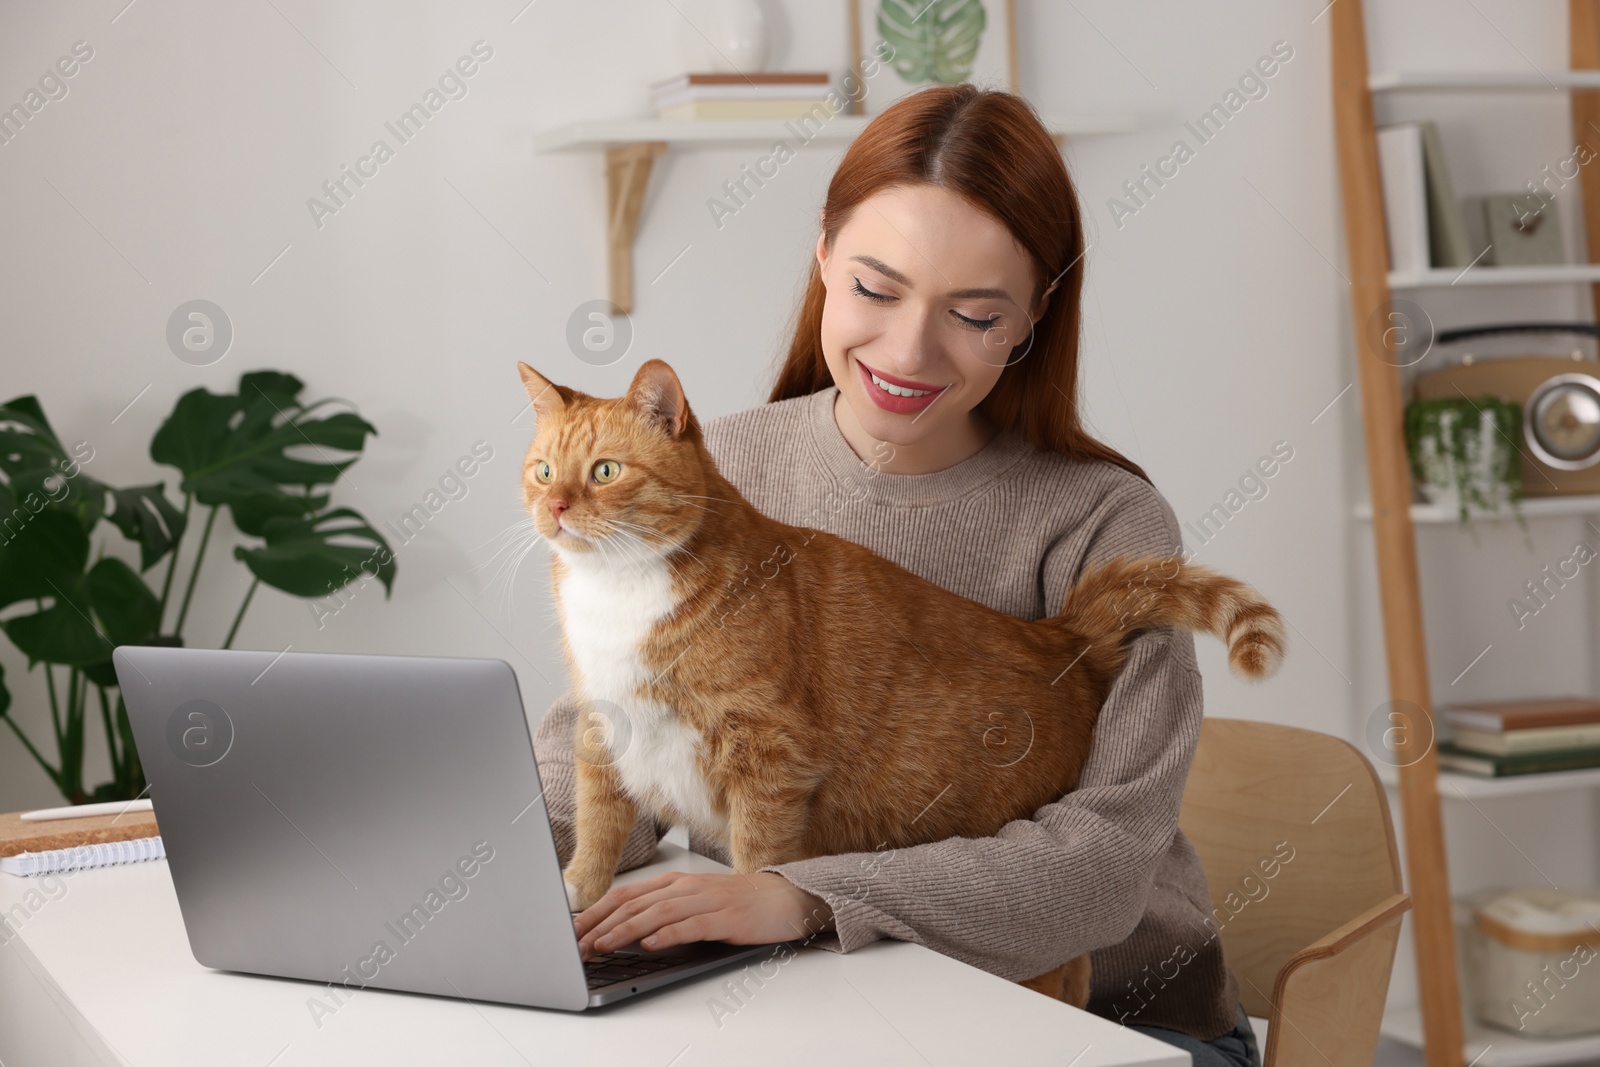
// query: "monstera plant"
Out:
[262,454]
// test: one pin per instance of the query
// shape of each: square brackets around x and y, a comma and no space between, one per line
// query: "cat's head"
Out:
[614,478]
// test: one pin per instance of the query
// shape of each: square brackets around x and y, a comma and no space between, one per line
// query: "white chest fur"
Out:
[608,609]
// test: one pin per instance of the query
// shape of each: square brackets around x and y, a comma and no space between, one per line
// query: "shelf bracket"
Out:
[628,169]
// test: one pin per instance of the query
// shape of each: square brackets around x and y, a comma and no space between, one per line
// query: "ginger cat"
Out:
[791,734]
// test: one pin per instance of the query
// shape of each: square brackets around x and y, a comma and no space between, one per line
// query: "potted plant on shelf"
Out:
[1463,453]
[66,603]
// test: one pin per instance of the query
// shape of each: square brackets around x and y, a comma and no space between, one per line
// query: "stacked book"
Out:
[1510,737]
[758,95]
[1429,227]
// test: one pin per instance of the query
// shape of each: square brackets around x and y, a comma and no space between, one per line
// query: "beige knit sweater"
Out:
[1104,869]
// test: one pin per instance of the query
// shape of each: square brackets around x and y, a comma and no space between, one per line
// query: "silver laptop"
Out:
[368,821]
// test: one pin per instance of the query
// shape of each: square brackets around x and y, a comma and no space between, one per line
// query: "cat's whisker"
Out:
[510,559]
[527,522]
[509,600]
[644,533]
[626,543]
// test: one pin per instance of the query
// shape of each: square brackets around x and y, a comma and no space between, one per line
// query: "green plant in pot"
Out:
[1463,452]
[262,454]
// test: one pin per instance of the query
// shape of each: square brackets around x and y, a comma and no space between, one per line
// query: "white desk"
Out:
[103,975]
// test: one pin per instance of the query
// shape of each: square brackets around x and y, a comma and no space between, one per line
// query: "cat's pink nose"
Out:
[557,507]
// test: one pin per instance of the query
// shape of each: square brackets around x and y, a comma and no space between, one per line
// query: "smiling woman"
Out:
[926,409]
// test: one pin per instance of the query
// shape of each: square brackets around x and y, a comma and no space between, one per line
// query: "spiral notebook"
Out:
[34,848]
[79,857]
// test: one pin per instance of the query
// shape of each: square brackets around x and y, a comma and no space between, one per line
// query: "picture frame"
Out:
[888,58]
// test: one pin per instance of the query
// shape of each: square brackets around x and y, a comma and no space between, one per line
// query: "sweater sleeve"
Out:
[1074,877]
[552,748]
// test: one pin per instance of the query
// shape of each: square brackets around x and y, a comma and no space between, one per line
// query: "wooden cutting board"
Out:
[18,836]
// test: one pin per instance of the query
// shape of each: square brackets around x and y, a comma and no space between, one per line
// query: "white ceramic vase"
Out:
[722,35]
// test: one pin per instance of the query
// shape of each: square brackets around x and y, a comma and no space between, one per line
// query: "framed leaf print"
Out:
[899,46]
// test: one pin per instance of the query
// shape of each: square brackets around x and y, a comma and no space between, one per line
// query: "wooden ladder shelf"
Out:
[1390,486]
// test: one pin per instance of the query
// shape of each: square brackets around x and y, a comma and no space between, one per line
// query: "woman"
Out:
[927,409]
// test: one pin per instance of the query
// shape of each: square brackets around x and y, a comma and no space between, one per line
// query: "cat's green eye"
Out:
[606,471]
[542,472]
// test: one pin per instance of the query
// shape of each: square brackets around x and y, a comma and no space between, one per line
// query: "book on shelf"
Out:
[1512,716]
[1453,758]
[759,95]
[1448,245]
[1427,226]
[1405,196]
[1538,739]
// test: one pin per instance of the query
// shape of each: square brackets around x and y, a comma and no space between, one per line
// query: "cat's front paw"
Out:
[580,894]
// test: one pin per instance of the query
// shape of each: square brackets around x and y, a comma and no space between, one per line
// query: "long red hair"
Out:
[990,148]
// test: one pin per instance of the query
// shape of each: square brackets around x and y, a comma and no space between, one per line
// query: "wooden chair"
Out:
[1293,829]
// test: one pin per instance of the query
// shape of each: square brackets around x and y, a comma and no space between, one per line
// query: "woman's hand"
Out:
[675,908]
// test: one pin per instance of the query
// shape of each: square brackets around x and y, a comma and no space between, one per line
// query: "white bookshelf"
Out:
[1533,507]
[1482,80]
[1448,277]
[1453,785]
[1491,1047]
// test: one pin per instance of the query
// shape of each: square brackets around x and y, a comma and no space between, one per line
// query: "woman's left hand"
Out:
[675,908]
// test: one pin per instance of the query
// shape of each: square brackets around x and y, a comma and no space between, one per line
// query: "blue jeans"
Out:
[1236,1048]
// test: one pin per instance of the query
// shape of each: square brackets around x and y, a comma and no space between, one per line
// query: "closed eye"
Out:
[885,298]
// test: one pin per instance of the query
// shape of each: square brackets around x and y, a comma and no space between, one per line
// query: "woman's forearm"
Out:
[1073,878]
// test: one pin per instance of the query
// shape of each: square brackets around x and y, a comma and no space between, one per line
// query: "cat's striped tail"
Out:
[1128,594]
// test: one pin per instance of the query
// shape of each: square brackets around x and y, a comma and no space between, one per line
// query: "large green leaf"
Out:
[935,41]
[250,514]
[233,447]
[38,472]
[144,515]
[62,632]
[128,611]
[315,556]
[45,555]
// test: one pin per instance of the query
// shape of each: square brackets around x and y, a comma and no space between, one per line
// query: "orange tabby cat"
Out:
[791,734]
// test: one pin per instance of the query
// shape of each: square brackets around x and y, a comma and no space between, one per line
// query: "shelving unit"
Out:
[1439,1026]
[1443,277]
[1488,1047]
[1456,786]
[1533,507]
[631,147]
[1483,80]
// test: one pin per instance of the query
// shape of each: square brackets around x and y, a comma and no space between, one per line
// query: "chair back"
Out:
[1293,829]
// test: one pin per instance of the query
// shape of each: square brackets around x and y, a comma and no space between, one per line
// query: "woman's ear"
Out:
[1044,299]
[822,251]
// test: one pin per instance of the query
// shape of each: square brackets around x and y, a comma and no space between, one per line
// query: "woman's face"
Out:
[927,293]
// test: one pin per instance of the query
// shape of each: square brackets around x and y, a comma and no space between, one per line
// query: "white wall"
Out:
[1216,317]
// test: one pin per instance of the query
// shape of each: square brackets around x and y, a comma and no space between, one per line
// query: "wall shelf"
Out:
[631,146]
[1446,277]
[601,133]
[1453,785]
[1476,80]
[1533,507]
[1492,1047]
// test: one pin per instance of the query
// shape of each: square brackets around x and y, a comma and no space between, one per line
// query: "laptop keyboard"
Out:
[609,968]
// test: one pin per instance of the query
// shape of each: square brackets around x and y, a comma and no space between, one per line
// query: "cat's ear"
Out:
[546,395]
[658,395]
